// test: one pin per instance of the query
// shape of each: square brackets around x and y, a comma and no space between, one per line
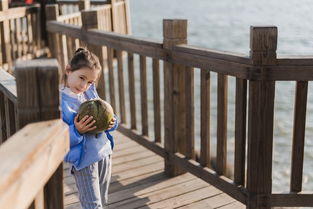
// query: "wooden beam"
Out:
[28,167]
[174,32]
[260,118]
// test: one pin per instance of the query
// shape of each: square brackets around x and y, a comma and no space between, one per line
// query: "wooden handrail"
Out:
[217,61]
[31,156]
[18,12]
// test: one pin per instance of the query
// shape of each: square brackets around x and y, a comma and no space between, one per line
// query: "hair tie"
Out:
[80,50]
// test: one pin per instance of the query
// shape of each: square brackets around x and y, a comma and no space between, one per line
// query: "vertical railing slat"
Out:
[132,95]
[34,32]
[121,85]
[221,152]
[38,28]
[156,100]
[5,37]
[298,136]
[70,48]
[29,34]
[3,132]
[12,39]
[10,116]
[111,77]
[205,118]
[240,131]
[190,119]
[24,35]
[143,95]
[63,47]
[18,37]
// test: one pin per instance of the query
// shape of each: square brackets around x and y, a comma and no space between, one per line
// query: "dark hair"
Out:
[83,58]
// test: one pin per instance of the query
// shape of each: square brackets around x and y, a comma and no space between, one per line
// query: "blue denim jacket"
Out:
[85,149]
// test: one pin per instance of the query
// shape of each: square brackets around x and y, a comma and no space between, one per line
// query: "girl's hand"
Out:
[85,124]
[111,124]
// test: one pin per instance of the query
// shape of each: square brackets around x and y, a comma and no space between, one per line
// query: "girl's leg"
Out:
[105,166]
[87,182]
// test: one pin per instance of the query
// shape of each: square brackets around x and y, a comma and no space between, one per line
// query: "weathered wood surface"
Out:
[138,181]
[175,140]
[30,166]
[260,118]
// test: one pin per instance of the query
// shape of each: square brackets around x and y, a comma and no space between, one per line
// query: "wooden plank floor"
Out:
[138,181]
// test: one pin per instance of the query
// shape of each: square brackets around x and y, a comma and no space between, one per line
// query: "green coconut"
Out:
[100,110]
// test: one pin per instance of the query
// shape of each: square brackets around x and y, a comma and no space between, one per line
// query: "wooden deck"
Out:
[138,181]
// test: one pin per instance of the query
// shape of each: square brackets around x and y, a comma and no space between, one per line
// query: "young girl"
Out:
[90,154]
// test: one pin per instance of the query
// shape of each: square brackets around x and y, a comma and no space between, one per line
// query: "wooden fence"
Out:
[102,17]
[32,167]
[255,74]
[20,33]
[114,12]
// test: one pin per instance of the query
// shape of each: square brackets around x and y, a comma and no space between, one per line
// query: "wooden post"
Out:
[43,19]
[52,13]
[5,37]
[174,32]
[37,86]
[263,43]
[83,5]
[91,19]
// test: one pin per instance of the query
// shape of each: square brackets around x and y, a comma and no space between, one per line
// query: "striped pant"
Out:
[93,184]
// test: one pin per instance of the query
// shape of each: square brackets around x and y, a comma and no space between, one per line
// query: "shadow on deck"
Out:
[138,181]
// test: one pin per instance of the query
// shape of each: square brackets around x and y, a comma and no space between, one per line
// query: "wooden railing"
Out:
[255,74]
[114,12]
[30,158]
[20,34]
[36,152]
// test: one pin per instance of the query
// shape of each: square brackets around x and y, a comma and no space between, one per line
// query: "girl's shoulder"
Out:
[91,93]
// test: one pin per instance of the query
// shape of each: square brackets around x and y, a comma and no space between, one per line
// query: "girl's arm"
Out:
[68,117]
[75,136]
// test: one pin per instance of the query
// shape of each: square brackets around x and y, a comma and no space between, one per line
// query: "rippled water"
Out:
[225,25]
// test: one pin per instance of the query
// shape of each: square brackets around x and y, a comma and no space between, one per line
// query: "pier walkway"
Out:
[138,181]
[195,94]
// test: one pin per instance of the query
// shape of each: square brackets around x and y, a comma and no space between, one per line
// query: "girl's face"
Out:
[80,80]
